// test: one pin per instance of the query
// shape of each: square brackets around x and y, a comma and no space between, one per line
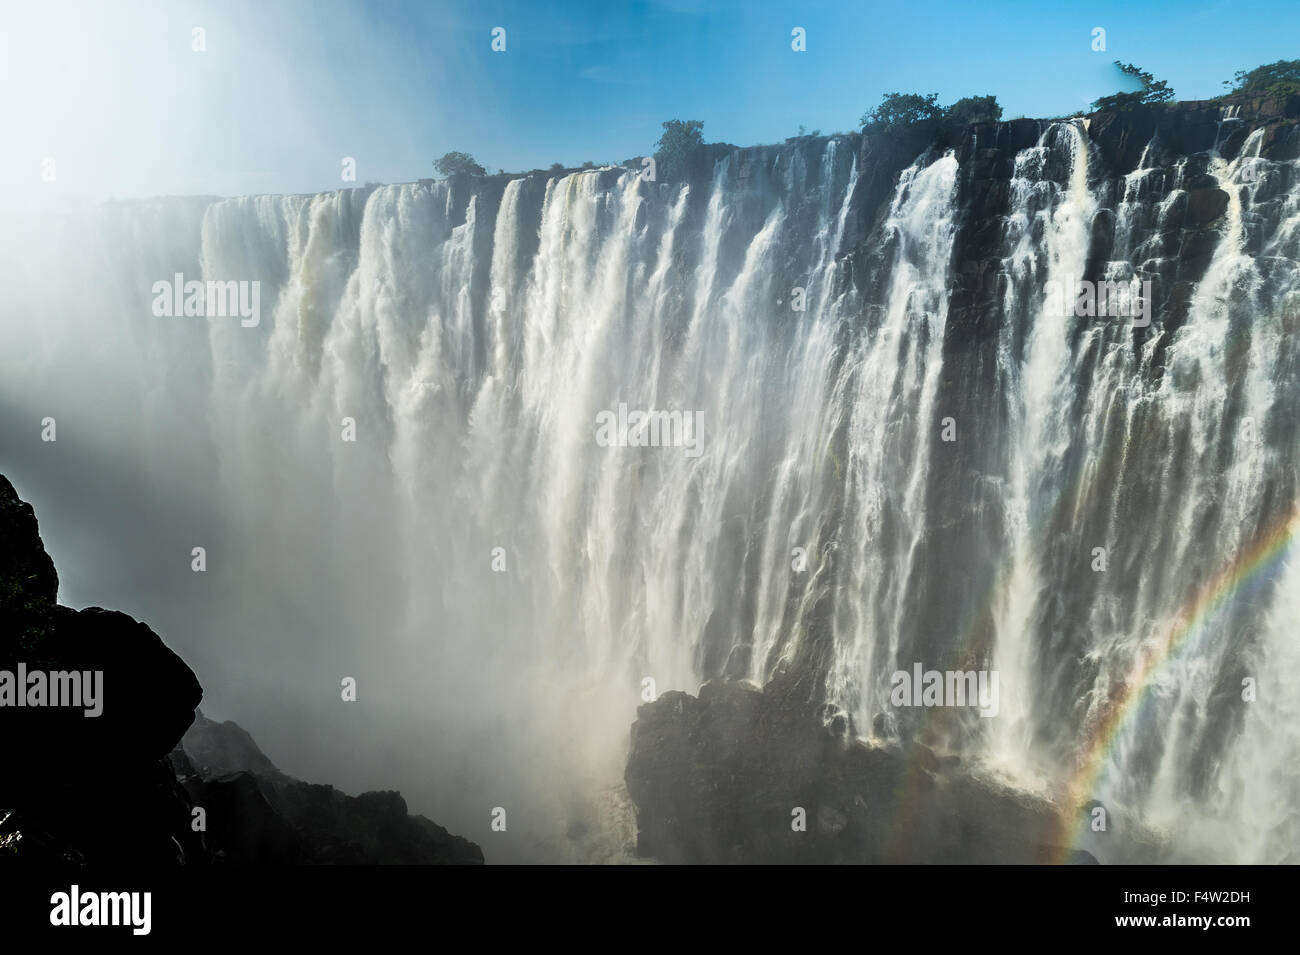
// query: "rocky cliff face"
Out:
[925,257]
[117,788]
[1160,195]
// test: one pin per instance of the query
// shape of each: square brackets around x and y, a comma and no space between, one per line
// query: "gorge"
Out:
[500,584]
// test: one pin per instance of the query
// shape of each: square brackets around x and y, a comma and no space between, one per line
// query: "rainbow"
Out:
[1253,562]
[1266,553]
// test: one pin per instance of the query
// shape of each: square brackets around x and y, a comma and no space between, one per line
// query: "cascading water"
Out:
[502,586]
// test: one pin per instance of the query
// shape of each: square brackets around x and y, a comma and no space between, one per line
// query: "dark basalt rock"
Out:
[117,788]
[1205,205]
[1122,137]
[54,787]
[718,779]
[256,814]
[29,584]
[217,749]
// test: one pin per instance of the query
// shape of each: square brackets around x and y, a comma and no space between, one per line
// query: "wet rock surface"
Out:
[730,776]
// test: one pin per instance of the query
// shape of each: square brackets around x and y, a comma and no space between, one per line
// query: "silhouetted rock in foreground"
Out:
[73,787]
[257,814]
[719,779]
[114,788]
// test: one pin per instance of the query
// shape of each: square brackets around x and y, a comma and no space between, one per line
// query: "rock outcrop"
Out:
[744,775]
[117,788]
[73,787]
[256,814]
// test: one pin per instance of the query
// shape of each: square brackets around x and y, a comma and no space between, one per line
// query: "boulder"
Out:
[747,775]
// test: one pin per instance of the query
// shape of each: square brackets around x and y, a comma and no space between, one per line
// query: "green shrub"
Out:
[458,164]
[1153,91]
[902,109]
[1279,79]
[974,109]
[680,139]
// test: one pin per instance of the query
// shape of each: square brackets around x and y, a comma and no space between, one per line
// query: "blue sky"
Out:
[116,95]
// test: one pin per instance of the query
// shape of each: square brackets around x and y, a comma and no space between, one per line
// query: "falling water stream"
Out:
[501,585]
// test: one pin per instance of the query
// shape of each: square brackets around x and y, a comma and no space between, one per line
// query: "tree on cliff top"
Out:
[1152,91]
[458,164]
[680,139]
[973,109]
[902,109]
[1276,79]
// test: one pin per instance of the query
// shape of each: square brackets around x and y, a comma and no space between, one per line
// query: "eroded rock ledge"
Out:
[257,814]
[717,779]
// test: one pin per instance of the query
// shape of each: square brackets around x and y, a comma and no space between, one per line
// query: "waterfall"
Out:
[396,475]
